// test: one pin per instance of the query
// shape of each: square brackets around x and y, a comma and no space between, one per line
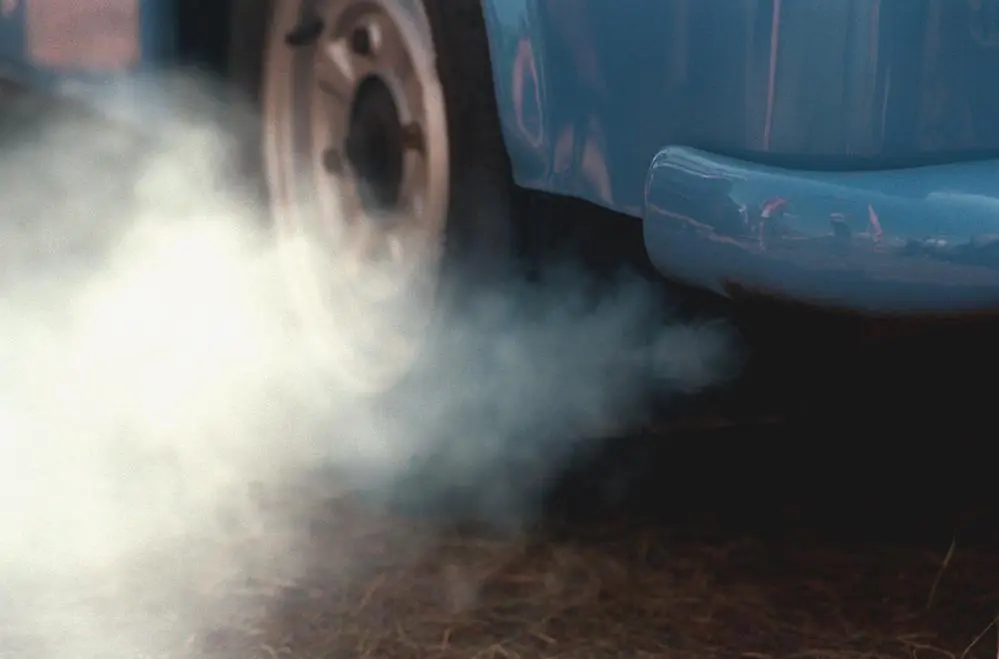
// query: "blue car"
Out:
[842,154]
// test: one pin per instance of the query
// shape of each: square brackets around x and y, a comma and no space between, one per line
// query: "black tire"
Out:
[480,243]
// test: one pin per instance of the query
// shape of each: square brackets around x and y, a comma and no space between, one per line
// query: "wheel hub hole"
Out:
[375,145]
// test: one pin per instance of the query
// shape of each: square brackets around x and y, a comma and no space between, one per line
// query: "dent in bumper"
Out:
[909,240]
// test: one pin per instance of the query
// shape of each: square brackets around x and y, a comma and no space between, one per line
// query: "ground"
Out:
[610,589]
[861,526]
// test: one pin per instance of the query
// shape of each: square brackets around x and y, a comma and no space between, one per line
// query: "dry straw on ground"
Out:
[614,593]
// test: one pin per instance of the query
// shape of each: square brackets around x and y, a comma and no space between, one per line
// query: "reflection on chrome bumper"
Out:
[916,240]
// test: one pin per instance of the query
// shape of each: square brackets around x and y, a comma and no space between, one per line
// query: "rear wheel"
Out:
[387,177]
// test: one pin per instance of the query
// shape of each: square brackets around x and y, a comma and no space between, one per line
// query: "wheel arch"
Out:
[517,52]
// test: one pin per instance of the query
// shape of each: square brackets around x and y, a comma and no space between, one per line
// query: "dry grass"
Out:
[412,591]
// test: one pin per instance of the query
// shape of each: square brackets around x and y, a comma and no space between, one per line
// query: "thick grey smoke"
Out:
[154,379]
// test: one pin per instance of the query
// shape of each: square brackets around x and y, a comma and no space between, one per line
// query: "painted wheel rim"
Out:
[360,207]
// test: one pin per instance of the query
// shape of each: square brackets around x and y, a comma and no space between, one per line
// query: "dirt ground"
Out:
[749,554]
[366,583]
[616,592]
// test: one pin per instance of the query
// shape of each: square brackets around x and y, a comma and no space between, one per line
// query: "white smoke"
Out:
[154,380]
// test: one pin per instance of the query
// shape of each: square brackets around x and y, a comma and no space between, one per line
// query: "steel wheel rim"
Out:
[369,318]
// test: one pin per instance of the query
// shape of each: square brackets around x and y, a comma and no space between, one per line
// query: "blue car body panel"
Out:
[759,142]
[590,90]
[696,114]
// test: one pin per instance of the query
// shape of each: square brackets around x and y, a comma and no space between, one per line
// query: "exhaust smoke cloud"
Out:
[156,387]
